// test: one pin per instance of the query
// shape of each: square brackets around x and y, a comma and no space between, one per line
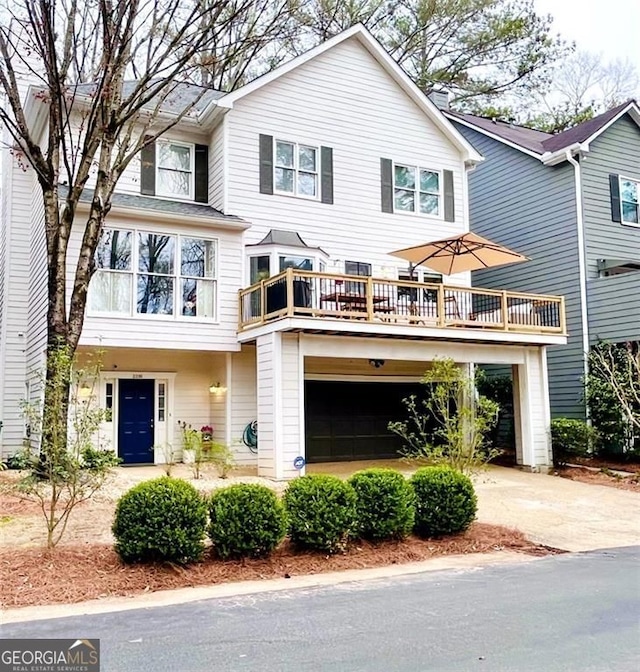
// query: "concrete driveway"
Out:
[547,509]
[558,512]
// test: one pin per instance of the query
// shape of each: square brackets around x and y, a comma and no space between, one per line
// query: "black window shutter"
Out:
[326,174]
[148,170]
[266,164]
[449,196]
[614,188]
[386,185]
[202,174]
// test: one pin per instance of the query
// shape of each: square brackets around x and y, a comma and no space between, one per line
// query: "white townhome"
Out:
[245,275]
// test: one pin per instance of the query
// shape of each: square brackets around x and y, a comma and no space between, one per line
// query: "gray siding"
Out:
[614,308]
[614,302]
[617,151]
[517,201]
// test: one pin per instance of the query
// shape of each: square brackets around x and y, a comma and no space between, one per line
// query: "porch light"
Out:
[376,363]
[217,388]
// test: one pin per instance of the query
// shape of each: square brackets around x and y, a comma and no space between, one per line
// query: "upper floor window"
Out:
[175,169]
[629,201]
[296,169]
[406,188]
[154,274]
[416,190]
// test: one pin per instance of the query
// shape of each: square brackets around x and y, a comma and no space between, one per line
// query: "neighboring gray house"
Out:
[569,202]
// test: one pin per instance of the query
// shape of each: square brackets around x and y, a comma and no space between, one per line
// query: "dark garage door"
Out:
[348,421]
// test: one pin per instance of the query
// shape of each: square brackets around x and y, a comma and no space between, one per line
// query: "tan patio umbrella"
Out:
[466,252]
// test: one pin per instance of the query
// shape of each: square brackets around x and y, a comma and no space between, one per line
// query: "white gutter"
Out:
[552,158]
[582,261]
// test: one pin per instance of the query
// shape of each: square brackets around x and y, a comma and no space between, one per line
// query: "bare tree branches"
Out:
[619,366]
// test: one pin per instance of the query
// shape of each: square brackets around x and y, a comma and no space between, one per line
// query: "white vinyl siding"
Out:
[18,195]
[243,402]
[216,167]
[342,99]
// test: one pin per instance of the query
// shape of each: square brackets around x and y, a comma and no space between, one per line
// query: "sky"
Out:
[609,27]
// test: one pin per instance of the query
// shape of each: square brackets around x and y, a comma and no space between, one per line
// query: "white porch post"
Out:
[279,392]
[531,411]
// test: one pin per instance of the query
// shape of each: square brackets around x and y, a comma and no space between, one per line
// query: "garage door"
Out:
[348,421]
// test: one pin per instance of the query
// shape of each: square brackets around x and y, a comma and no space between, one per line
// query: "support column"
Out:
[531,411]
[279,400]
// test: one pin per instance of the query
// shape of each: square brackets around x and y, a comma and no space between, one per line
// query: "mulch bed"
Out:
[584,475]
[76,573]
[600,463]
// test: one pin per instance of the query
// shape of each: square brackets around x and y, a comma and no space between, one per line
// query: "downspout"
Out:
[582,263]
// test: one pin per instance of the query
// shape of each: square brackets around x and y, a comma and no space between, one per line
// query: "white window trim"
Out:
[416,199]
[274,252]
[163,432]
[176,316]
[192,169]
[621,179]
[296,169]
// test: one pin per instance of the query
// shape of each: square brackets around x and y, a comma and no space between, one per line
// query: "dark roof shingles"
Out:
[538,141]
[158,205]
[519,135]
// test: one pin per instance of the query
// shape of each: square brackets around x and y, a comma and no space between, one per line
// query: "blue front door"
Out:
[135,421]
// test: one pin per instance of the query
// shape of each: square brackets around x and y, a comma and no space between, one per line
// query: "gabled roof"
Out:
[547,147]
[367,40]
[526,138]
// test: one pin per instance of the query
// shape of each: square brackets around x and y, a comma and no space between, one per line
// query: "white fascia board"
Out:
[553,158]
[493,136]
[358,31]
[347,327]
[632,109]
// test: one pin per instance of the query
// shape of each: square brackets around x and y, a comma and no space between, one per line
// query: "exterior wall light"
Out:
[217,388]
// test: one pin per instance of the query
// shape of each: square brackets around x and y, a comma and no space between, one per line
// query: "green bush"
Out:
[570,439]
[247,520]
[445,501]
[321,511]
[384,504]
[160,520]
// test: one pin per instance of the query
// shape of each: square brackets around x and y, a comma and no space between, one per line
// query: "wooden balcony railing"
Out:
[376,300]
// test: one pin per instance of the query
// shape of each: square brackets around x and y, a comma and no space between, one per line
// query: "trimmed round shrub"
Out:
[163,519]
[445,501]
[570,439]
[321,511]
[247,521]
[384,504]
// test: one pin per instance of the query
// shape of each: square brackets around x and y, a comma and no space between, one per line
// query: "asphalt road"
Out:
[570,612]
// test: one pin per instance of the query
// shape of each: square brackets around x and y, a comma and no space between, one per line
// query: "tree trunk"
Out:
[55,410]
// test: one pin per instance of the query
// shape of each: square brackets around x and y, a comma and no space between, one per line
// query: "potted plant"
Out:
[191,443]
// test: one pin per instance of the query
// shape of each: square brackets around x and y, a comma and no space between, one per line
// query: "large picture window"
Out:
[154,274]
[416,190]
[296,169]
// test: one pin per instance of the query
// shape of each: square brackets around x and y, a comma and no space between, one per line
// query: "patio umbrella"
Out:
[466,252]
